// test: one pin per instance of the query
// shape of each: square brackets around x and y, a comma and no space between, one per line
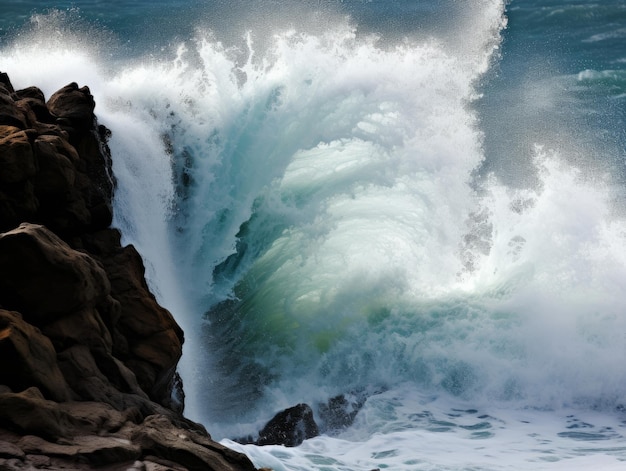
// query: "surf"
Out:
[320,209]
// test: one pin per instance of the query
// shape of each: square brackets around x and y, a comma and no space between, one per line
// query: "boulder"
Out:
[5,83]
[8,450]
[56,165]
[32,99]
[73,104]
[339,412]
[90,435]
[80,327]
[289,427]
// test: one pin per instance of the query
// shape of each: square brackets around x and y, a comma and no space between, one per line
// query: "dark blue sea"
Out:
[417,204]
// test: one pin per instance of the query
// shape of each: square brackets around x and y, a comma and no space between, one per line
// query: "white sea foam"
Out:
[406,430]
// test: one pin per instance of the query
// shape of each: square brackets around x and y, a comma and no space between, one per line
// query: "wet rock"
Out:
[73,104]
[5,83]
[56,165]
[32,99]
[289,427]
[340,411]
[56,159]
[152,341]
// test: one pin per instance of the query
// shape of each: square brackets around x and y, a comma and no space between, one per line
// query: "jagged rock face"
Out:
[86,435]
[55,168]
[55,171]
[73,104]
[88,357]
[339,412]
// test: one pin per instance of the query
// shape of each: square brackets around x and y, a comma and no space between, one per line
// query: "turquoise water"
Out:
[416,203]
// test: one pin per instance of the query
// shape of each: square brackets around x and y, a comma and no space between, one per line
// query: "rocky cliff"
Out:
[87,356]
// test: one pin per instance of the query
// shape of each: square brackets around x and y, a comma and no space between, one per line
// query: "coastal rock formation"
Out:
[88,372]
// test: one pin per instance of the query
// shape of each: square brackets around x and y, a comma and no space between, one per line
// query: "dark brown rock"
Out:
[28,358]
[339,412]
[103,378]
[32,99]
[17,161]
[8,450]
[55,169]
[98,416]
[28,412]
[43,278]
[153,339]
[83,326]
[159,437]
[73,104]
[5,82]
[10,114]
[56,159]
[88,373]
[93,449]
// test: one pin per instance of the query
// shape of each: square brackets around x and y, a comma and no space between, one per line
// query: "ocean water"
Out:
[416,204]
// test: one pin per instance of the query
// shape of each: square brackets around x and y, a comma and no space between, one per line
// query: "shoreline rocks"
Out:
[88,374]
[291,426]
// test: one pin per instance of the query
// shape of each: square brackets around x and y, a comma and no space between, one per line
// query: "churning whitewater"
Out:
[315,206]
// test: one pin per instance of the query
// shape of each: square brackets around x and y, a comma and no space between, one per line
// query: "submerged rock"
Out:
[292,426]
[289,427]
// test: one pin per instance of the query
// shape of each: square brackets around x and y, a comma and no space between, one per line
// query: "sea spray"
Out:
[368,136]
